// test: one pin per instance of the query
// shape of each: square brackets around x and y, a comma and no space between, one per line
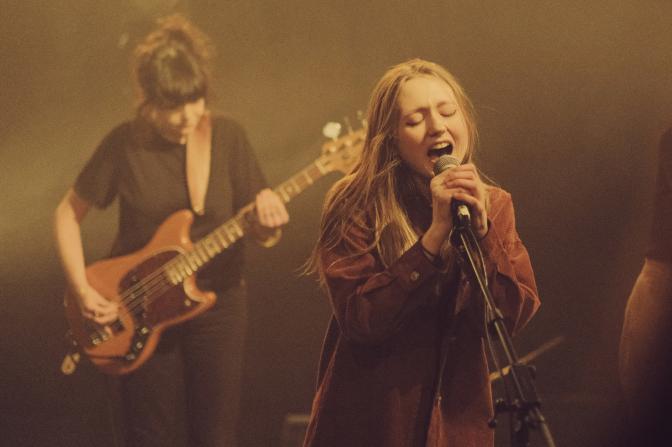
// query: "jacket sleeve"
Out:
[370,302]
[509,270]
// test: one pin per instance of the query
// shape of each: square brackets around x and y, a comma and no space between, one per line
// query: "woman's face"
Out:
[431,123]
[177,123]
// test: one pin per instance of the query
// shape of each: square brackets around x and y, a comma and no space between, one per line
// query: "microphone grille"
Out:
[445,162]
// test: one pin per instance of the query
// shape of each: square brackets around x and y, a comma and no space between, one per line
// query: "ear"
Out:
[148,111]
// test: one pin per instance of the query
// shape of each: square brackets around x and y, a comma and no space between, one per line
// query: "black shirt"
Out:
[148,175]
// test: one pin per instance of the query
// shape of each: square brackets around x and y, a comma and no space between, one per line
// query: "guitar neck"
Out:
[302,180]
[221,238]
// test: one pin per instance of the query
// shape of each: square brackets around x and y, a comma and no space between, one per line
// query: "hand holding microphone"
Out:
[457,193]
[466,191]
[461,214]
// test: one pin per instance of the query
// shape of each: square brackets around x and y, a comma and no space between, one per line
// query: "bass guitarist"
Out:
[174,154]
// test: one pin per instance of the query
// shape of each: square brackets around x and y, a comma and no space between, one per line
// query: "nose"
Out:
[435,123]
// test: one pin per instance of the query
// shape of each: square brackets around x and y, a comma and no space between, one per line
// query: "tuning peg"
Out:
[346,120]
[332,130]
[361,118]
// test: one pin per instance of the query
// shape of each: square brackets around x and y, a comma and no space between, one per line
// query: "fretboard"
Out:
[186,264]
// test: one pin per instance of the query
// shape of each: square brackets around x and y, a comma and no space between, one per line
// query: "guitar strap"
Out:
[199,148]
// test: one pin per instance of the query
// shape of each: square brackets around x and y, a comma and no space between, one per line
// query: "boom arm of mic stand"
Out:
[525,403]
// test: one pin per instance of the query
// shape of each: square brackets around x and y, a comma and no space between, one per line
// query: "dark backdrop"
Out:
[572,98]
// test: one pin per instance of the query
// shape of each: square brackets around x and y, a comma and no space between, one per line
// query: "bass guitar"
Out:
[155,287]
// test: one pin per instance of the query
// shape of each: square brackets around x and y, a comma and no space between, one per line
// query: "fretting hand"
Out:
[271,212]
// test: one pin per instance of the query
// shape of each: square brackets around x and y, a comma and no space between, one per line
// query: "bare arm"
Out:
[69,213]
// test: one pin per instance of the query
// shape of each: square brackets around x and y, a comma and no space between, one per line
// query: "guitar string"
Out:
[157,278]
[240,220]
[155,284]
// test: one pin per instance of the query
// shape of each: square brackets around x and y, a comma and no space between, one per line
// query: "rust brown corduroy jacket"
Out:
[391,328]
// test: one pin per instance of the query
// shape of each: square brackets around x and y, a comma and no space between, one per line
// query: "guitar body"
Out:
[148,301]
[155,287]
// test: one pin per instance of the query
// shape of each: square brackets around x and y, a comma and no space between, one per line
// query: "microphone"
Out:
[460,209]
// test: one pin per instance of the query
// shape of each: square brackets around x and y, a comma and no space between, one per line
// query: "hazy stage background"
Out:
[572,98]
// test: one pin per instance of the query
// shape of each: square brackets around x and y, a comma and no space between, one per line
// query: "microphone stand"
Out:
[524,404]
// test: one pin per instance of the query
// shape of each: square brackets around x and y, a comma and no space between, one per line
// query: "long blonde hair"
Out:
[370,197]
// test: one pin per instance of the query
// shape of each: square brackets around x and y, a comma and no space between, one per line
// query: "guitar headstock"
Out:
[342,153]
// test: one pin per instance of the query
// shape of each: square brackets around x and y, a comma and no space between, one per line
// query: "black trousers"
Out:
[188,392]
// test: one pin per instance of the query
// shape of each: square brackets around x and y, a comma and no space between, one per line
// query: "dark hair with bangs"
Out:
[172,64]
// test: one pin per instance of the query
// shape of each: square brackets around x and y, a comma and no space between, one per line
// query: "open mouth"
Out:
[438,150]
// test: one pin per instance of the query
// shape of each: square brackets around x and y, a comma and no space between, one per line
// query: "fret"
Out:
[206,248]
[173,274]
[323,169]
[184,267]
[196,257]
[300,184]
[186,264]
[237,229]
[283,194]
[241,221]
[222,240]
[190,262]
[297,187]
[226,234]
[289,189]
[211,246]
[201,254]
[314,172]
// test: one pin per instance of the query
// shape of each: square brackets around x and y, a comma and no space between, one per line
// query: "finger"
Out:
[466,197]
[466,184]
[99,317]
[466,167]
[271,220]
[262,201]
[106,319]
[283,215]
[475,204]
[461,171]
[463,174]
[104,307]
[452,174]
[279,217]
[267,219]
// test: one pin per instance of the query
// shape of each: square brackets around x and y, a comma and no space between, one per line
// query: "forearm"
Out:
[67,235]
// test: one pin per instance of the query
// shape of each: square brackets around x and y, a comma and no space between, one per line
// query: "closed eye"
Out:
[447,111]
[414,119]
